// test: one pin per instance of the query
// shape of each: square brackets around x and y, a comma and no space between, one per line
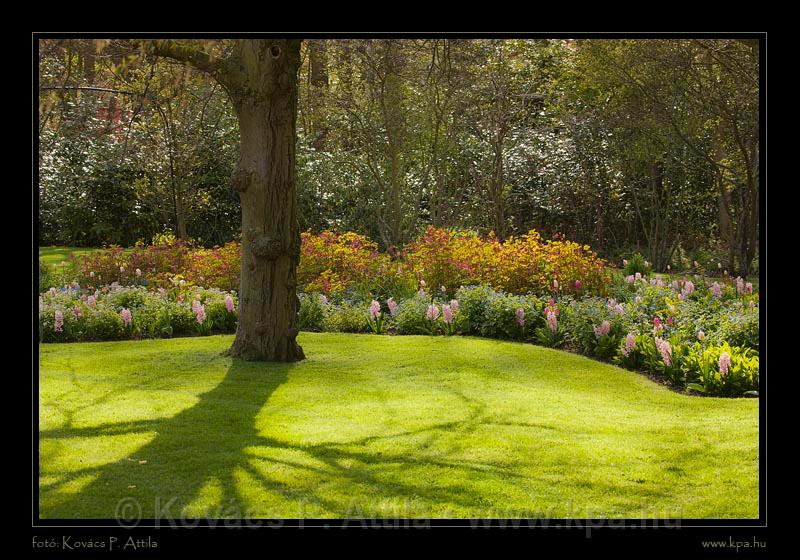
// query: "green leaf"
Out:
[696,387]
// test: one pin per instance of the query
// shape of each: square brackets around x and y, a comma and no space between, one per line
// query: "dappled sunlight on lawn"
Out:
[468,428]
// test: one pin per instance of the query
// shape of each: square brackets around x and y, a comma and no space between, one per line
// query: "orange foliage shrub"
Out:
[331,263]
[519,265]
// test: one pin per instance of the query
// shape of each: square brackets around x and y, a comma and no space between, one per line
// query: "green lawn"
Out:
[382,426]
[54,256]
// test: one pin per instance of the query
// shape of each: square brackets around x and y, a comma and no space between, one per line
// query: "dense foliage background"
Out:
[629,146]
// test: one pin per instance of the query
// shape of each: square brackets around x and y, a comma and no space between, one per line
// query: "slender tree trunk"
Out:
[496,191]
[318,79]
[394,122]
[265,180]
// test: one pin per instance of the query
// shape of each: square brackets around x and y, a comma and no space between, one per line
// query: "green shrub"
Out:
[473,301]
[703,372]
[500,318]
[346,317]
[44,277]
[411,317]
[637,263]
[311,315]
[739,326]
[104,323]
[669,362]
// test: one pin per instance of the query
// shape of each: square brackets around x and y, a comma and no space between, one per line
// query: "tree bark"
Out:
[260,76]
[265,179]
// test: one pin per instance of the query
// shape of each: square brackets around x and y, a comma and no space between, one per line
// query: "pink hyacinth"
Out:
[624,262]
[58,323]
[53,292]
[374,309]
[422,283]
[630,279]
[602,329]
[675,285]
[76,311]
[91,301]
[555,284]
[454,305]
[578,284]
[552,319]
[229,303]
[630,344]
[638,276]
[724,364]
[740,285]
[665,350]
[688,288]
[447,314]
[125,314]
[657,325]
[392,306]
[200,313]
[180,298]
[195,305]
[432,313]
[122,269]
[138,273]
[716,290]
[521,317]
[618,309]
[323,299]
[748,288]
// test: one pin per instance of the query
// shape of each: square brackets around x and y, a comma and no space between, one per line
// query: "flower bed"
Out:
[72,314]
[350,265]
[695,334]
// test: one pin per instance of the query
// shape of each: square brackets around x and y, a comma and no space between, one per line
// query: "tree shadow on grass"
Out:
[193,452]
[211,461]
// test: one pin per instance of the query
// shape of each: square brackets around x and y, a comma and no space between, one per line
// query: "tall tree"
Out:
[260,76]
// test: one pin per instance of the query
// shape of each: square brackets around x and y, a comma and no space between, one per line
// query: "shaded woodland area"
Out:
[647,146]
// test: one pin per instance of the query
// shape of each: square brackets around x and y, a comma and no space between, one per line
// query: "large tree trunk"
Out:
[265,180]
[260,77]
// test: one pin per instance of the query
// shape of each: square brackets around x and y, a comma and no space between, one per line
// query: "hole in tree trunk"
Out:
[275,51]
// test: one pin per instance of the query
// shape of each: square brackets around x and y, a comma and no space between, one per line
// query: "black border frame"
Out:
[555,529]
